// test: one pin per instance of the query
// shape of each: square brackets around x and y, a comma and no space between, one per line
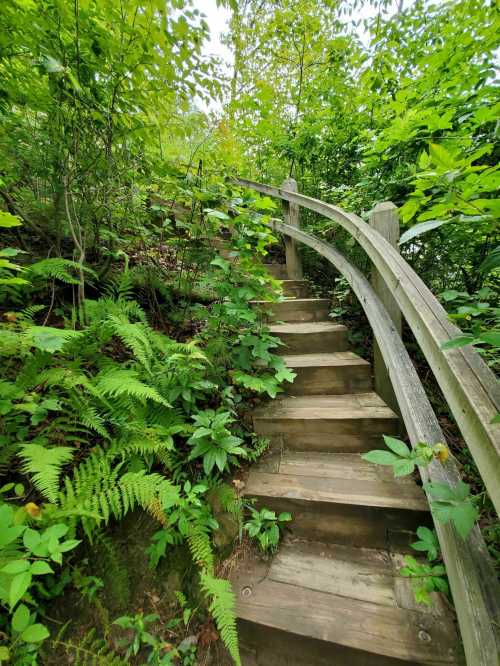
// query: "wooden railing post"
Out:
[291,216]
[384,218]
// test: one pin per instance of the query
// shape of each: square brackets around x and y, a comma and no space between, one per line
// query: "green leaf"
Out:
[491,338]
[441,156]
[420,228]
[18,587]
[7,220]
[35,634]
[403,467]
[459,341]
[380,457]
[464,517]
[397,446]
[21,618]
[39,568]
[16,566]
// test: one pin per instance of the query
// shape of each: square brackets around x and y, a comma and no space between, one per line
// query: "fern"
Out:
[200,546]
[133,336]
[222,609]
[118,382]
[45,465]
[57,268]
[89,651]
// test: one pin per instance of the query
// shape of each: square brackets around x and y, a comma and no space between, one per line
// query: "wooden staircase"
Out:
[332,594]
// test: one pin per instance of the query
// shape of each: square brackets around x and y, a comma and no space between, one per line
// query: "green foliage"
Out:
[402,459]
[25,554]
[426,578]
[89,651]
[428,543]
[265,526]
[212,441]
[222,608]
[453,504]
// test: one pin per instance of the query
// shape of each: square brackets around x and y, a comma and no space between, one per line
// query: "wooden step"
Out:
[317,336]
[296,309]
[330,374]
[295,288]
[339,498]
[278,271]
[330,423]
[348,606]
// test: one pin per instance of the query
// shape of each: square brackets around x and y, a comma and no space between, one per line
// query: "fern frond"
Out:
[118,382]
[28,314]
[228,498]
[90,418]
[134,336]
[89,651]
[200,546]
[57,268]
[45,465]
[222,609]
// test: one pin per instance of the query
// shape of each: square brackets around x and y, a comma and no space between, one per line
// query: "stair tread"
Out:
[327,359]
[306,328]
[334,479]
[344,595]
[296,301]
[326,407]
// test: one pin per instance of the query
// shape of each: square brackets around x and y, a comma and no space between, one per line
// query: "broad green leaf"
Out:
[403,467]
[420,228]
[40,567]
[7,220]
[491,338]
[396,445]
[459,341]
[18,587]
[15,567]
[21,618]
[35,634]
[380,457]
[464,516]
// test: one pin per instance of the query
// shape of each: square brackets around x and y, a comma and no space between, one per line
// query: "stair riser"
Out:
[263,646]
[296,310]
[295,288]
[352,525]
[321,343]
[331,380]
[339,436]
[278,271]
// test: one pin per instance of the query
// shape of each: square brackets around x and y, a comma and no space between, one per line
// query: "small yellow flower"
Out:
[33,510]
[441,452]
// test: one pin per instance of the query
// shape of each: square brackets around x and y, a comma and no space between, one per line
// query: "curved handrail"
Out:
[470,388]
[473,582]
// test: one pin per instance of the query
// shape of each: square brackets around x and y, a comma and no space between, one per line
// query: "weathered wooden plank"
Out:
[344,618]
[334,373]
[301,337]
[296,309]
[473,582]
[291,216]
[384,218]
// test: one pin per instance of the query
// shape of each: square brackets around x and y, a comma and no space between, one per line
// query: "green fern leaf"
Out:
[222,609]
[45,465]
[118,382]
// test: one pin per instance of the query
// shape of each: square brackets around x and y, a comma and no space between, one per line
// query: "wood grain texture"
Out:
[334,373]
[384,219]
[355,607]
[300,338]
[295,288]
[291,215]
[296,309]
[340,423]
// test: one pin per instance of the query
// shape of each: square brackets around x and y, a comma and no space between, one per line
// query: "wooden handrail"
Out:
[474,586]
[469,387]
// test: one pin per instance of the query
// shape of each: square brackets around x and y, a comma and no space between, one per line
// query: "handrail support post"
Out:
[384,219]
[291,216]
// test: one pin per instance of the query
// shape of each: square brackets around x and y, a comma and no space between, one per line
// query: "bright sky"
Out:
[218,17]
